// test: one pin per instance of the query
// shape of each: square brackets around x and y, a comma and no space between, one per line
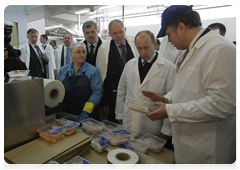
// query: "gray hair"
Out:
[76,45]
[115,21]
[89,24]
[145,32]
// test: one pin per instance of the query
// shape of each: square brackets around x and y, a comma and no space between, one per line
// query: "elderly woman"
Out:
[82,82]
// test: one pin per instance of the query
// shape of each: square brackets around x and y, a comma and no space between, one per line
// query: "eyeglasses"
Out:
[79,52]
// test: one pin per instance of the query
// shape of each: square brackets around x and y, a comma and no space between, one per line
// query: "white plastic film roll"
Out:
[122,156]
[54,92]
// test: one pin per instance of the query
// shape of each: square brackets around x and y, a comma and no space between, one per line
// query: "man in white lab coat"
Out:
[112,56]
[203,109]
[50,53]
[157,75]
[33,55]
[62,54]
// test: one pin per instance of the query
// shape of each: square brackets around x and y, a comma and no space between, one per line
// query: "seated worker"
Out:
[82,82]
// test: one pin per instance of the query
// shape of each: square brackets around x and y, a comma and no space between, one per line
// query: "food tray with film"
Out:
[52,165]
[18,74]
[140,105]
[136,145]
[110,125]
[51,133]
[92,125]
[118,137]
[78,162]
[155,144]
[70,126]
[133,132]
[99,142]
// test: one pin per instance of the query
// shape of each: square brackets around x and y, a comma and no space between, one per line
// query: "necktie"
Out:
[67,56]
[44,46]
[144,63]
[91,51]
[124,55]
[39,57]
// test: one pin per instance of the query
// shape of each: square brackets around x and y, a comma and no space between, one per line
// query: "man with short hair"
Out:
[33,55]
[157,45]
[112,57]
[92,41]
[62,54]
[218,26]
[149,71]
[202,103]
[50,53]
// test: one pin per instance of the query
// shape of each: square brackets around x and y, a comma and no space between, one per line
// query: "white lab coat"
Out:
[25,53]
[58,55]
[103,56]
[168,51]
[160,79]
[51,63]
[203,109]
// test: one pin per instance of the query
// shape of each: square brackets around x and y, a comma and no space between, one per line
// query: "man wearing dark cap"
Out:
[202,104]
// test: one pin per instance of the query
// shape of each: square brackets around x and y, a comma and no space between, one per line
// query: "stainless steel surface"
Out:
[24,112]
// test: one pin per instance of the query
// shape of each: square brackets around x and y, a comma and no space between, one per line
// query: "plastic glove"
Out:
[82,116]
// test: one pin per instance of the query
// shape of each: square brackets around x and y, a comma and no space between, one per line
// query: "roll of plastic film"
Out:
[122,156]
[54,92]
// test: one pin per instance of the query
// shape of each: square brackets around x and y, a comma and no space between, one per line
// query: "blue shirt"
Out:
[92,74]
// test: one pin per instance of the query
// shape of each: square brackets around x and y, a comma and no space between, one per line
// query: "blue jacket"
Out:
[93,75]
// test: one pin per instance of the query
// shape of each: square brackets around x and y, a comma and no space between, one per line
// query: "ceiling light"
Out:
[82,11]
[95,16]
[107,6]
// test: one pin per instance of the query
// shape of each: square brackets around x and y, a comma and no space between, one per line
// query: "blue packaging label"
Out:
[54,131]
[103,141]
[88,165]
[60,167]
[127,147]
[70,125]
[122,131]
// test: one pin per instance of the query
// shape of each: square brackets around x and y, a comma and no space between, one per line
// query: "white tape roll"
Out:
[54,92]
[122,156]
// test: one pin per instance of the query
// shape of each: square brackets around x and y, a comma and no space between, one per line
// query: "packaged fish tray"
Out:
[99,142]
[76,160]
[70,126]
[92,125]
[141,106]
[110,125]
[136,145]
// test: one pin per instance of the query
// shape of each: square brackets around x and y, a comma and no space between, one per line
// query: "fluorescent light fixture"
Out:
[82,11]
[107,6]
[56,26]
[95,16]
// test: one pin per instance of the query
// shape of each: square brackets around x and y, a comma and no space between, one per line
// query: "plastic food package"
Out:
[110,125]
[133,132]
[141,106]
[155,144]
[52,165]
[112,147]
[99,142]
[136,145]
[18,74]
[103,131]
[81,130]
[51,133]
[92,125]
[118,138]
[70,126]
[78,162]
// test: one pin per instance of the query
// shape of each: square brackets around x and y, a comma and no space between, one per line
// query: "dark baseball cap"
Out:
[170,13]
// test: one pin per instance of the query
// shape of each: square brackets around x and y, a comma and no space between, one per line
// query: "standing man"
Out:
[112,57]
[33,55]
[157,45]
[203,98]
[149,71]
[50,53]
[62,54]
[92,41]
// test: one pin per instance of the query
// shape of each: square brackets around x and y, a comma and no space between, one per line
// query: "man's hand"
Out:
[154,97]
[105,109]
[160,113]
[120,121]
[44,56]
[5,54]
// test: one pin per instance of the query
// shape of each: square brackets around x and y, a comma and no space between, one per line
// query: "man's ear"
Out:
[182,27]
